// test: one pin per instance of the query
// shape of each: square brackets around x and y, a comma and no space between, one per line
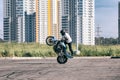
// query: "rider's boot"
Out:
[72,54]
[68,55]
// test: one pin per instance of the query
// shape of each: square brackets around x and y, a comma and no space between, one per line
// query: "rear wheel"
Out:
[50,40]
[62,59]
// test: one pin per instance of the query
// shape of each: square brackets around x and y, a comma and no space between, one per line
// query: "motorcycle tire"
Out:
[49,40]
[62,59]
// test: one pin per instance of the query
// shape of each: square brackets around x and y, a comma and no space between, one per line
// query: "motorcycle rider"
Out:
[67,40]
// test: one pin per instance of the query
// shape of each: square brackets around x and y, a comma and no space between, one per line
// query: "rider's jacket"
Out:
[67,38]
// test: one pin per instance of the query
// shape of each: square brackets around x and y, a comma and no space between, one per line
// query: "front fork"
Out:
[63,50]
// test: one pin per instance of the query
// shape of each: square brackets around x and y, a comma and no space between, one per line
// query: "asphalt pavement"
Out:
[48,69]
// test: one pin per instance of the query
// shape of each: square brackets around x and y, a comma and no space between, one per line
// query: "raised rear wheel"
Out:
[50,40]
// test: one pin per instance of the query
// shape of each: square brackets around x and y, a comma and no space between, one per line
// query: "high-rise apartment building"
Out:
[88,35]
[47,19]
[13,20]
[9,20]
[19,20]
[78,20]
[34,20]
[30,20]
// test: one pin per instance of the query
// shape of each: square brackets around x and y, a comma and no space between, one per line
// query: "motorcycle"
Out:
[59,48]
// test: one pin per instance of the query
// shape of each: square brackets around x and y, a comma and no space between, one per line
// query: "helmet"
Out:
[62,32]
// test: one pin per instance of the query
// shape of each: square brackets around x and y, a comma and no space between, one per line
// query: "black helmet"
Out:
[62,32]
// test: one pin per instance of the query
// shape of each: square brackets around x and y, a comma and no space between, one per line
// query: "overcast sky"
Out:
[106,13]
[107,17]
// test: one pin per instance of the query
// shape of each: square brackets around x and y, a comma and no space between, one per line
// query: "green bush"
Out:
[99,50]
[27,54]
[5,53]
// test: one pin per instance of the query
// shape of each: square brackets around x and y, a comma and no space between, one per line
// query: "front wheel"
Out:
[62,59]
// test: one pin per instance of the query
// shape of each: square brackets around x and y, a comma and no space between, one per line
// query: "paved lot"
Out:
[49,69]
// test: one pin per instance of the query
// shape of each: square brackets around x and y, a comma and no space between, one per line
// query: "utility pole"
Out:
[98,31]
[77,28]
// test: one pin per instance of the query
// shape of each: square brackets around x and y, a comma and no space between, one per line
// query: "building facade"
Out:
[30,20]
[78,20]
[47,19]
[9,20]
[34,20]
[88,23]
[19,21]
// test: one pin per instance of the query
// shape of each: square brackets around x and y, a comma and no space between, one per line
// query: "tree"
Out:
[106,41]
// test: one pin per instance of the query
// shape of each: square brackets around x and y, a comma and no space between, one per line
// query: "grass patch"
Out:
[40,50]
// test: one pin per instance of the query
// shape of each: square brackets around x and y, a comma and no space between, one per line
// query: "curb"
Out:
[27,58]
[104,57]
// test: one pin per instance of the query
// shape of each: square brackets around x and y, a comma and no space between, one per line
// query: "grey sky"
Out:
[107,17]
